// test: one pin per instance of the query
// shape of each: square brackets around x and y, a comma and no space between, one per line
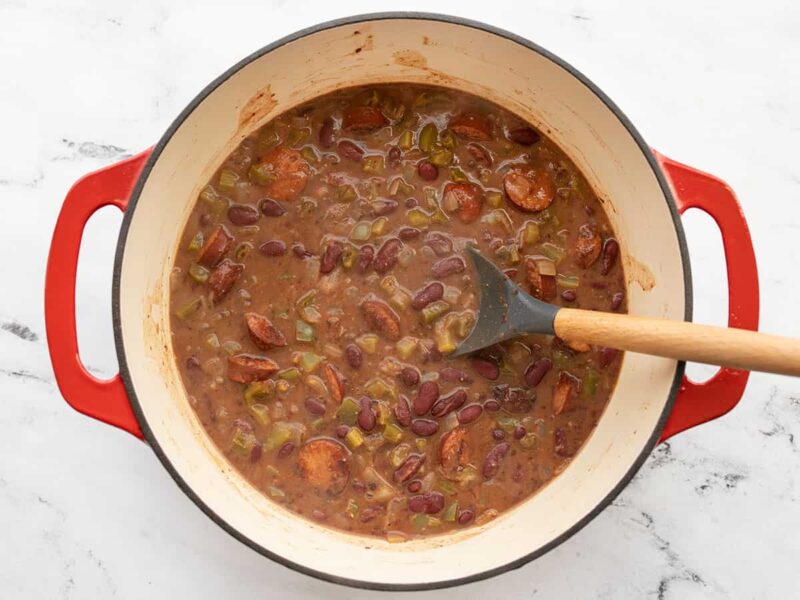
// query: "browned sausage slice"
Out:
[587,246]
[219,242]
[472,126]
[336,382]
[466,199]
[247,368]
[381,318]
[363,119]
[454,451]
[542,285]
[263,333]
[565,393]
[325,464]
[289,170]
[223,277]
[530,190]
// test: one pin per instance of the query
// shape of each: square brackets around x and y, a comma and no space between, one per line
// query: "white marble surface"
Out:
[88,512]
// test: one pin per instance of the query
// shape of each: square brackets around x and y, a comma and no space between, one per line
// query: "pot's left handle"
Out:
[104,400]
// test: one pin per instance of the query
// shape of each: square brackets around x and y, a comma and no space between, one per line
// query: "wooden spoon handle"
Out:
[727,347]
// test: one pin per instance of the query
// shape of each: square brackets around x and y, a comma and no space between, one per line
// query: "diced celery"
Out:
[361,231]
[419,521]
[260,413]
[379,225]
[507,424]
[372,164]
[465,323]
[374,98]
[398,187]
[354,438]
[389,284]
[450,513]
[346,193]
[198,273]
[468,476]
[400,300]
[228,180]
[197,242]
[307,207]
[316,384]
[417,217]
[351,510]
[427,137]
[304,331]
[232,347]
[399,454]
[432,202]
[421,444]
[282,432]
[318,424]
[268,137]
[282,386]
[349,256]
[590,382]
[448,487]
[212,341]
[405,347]
[373,442]
[528,441]
[309,154]
[348,411]
[377,387]
[392,433]
[368,342]
[568,281]
[498,217]
[442,158]
[242,442]
[216,204]
[306,299]
[242,250]
[434,310]
[378,489]
[275,492]
[406,255]
[445,343]
[530,233]
[396,537]
[406,140]
[289,374]
[261,174]
[458,175]
[390,366]
[271,471]
[297,135]
[553,252]
[259,391]
[448,140]
[309,361]
[384,415]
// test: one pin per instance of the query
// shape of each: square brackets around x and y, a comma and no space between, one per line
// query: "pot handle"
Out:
[104,400]
[698,403]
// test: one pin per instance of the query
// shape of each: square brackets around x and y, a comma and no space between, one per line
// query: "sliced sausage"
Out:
[219,242]
[263,333]
[529,189]
[465,199]
[247,368]
[290,171]
[454,451]
[587,246]
[565,393]
[381,318]
[542,285]
[472,126]
[324,463]
[363,119]
[223,277]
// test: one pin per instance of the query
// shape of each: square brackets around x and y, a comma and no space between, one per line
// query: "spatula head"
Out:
[505,311]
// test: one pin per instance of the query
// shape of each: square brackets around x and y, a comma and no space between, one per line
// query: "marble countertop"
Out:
[87,511]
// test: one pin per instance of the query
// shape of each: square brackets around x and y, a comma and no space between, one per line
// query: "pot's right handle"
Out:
[698,403]
[103,400]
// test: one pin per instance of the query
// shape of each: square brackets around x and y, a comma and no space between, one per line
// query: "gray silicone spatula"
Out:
[505,312]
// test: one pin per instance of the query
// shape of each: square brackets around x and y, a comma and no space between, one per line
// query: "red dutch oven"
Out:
[643,192]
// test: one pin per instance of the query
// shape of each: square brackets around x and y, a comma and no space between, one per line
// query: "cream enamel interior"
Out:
[423,51]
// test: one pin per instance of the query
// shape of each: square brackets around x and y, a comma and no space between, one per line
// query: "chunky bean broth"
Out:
[321,281]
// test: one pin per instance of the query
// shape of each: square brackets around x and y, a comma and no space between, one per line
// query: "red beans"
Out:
[386,257]
[569,295]
[616,300]
[354,356]
[342,430]
[402,411]
[272,208]
[498,434]
[256,453]
[465,516]
[491,463]
[453,375]
[536,371]
[408,233]
[300,251]
[430,293]
[393,156]
[286,450]
[449,403]
[365,257]
[192,362]
[448,266]
[607,356]
[331,256]
[428,394]
[424,427]
[524,136]
[610,254]
[272,248]
[414,486]
[485,367]
[366,416]
[429,503]
[519,432]
[491,405]
[243,214]
[326,133]
[411,202]
[427,170]
[315,406]
[350,151]
[409,468]
[440,243]
[409,376]
[470,413]
[205,220]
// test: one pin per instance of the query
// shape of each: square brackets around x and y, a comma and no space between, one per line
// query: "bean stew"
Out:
[321,282]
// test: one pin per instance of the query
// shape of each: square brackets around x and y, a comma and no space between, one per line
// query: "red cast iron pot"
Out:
[643,193]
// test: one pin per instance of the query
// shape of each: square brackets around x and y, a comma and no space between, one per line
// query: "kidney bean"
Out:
[272,248]
[498,434]
[427,170]
[453,375]
[315,406]
[272,208]
[569,295]
[408,233]
[243,214]
[300,251]
[382,207]
[430,293]
[354,356]
[429,503]
[409,376]
[365,256]
[465,516]
[331,256]
[491,463]
[610,254]
[470,413]
[350,151]
[616,300]
[414,486]
[409,468]
[485,367]
[491,405]
[439,243]
[524,136]
[386,257]
[393,156]
[511,273]
[480,154]
[536,371]
[368,514]
[402,411]
[286,450]
[519,432]
[192,362]
[607,356]
[318,515]
[366,416]
[205,220]
[256,453]
[427,394]
[424,427]
[326,133]
[342,430]
[599,285]
[358,486]
[560,442]
[448,266]
[449,403]
[411,202]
